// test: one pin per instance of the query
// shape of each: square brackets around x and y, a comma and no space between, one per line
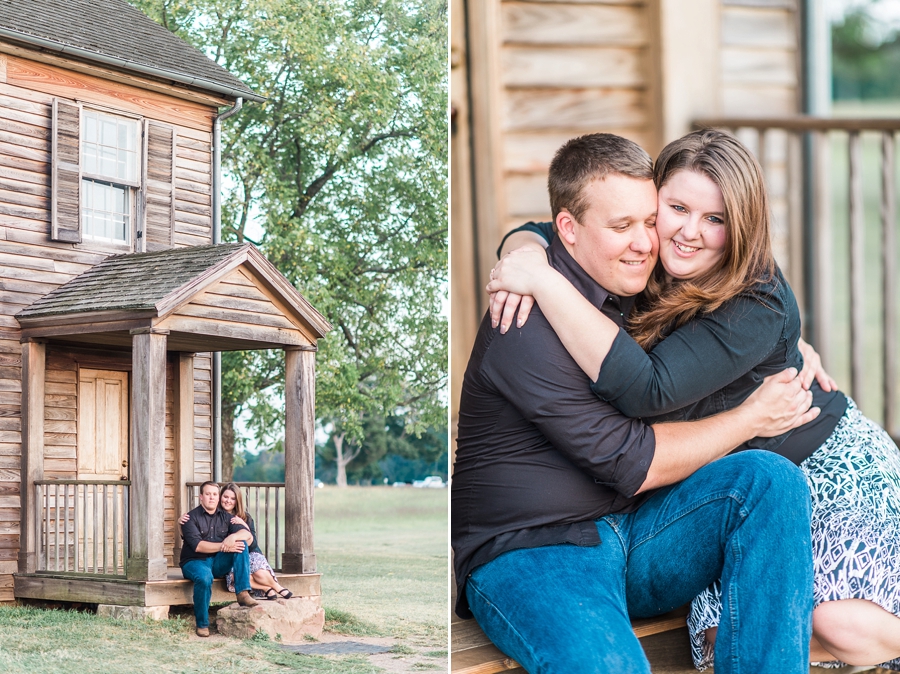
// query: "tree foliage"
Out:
[865,58]
[344,167]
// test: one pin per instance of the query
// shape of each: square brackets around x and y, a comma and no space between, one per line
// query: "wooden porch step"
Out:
[664,639]
[175,590]
[471,652]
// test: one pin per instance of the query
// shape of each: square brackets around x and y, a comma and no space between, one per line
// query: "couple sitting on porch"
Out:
[588,486]
[220,542]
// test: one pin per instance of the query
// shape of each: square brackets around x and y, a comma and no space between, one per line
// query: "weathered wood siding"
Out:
[760,77]
[31,265]
[564,70]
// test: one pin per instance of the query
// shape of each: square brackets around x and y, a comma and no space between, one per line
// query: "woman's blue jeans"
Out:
[202,572]
[744,518]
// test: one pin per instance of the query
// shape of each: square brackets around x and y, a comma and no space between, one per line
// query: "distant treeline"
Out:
[388,452]
[865,59]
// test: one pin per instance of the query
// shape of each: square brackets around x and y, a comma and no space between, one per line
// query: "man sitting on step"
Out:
[212,547]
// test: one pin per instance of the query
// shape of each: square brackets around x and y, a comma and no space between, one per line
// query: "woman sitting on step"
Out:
[262,577]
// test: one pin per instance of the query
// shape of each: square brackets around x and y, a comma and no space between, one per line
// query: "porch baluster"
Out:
[94,532]
[115,525]
[889,281]
[56,528]
[857,271]
[267,522]
[275,562]
[105,526]
[66,528]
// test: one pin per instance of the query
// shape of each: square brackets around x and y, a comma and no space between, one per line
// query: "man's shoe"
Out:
[244,599]
[202,631]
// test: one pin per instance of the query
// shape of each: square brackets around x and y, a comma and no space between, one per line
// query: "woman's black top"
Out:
[714,362]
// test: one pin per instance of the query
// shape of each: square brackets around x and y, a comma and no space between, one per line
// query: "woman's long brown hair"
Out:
[238,501]
[748,255]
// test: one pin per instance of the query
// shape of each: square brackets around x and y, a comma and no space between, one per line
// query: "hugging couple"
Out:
[637,435]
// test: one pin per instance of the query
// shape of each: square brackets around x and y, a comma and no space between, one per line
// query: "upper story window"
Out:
[110,172]
[112,179]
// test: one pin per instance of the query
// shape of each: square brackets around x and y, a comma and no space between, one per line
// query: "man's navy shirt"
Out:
[539,456]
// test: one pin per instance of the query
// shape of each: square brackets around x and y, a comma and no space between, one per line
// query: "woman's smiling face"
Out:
[690,224]
[228,500]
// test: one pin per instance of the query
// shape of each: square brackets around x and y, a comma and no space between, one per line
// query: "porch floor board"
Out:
[175,590]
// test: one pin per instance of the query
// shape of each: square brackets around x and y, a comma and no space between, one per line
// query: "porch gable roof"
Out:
[155,290]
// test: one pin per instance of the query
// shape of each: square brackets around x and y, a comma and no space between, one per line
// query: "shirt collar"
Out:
[614,306]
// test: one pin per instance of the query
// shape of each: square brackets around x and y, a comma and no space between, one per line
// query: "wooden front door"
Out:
[102,425]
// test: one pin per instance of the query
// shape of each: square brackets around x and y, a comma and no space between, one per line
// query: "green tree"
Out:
[345,166]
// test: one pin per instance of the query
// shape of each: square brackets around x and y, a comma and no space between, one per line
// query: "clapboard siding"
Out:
[25,155]
[564,69]
[202,416]
[559,67]
[581,23]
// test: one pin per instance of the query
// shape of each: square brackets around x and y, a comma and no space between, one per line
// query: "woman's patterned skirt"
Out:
[854,481]
[257,561]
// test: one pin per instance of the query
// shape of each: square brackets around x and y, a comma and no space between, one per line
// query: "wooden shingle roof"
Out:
[131,282]
[112,32]
[169,289]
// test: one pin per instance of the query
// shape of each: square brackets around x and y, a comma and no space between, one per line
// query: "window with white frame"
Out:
[110,155]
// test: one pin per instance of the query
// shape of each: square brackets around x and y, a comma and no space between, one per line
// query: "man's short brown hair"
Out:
[588,158]
[209,483]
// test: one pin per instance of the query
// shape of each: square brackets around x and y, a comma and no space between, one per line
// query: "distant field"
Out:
[383,556]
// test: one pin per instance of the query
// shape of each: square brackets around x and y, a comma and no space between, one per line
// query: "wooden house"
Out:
[526,75]
[115,294]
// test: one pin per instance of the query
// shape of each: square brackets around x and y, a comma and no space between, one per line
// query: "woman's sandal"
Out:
[271,594]
[285,593]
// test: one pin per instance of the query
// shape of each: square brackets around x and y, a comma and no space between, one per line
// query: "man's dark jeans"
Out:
[202,572]
[745,518]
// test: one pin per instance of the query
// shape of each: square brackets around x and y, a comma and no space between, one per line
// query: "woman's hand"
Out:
[184,518]
[514,281]
[238,520]
[812,369]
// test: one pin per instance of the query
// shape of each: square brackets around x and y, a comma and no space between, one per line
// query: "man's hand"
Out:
[812,369]
[233,544]
[779,405]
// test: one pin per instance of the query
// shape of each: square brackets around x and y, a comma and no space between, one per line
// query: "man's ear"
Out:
[565,227]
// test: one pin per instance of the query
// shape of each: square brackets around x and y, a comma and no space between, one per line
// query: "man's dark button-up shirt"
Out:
[539,456]
[202,526]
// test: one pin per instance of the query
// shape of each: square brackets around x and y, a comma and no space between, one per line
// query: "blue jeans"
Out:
[744,518]
[202,572]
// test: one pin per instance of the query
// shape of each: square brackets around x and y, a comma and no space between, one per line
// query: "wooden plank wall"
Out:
[566,69]
[31,265]
[760,76]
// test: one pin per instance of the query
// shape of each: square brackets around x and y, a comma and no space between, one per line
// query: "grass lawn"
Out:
[383,556]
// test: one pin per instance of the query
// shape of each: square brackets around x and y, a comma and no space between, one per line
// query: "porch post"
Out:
[184,439]
[299,459]
[148,431]
[33,368]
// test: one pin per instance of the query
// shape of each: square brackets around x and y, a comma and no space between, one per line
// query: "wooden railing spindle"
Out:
[889,280]
[857,270]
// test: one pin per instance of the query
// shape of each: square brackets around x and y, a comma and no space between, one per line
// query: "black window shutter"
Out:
[65,179]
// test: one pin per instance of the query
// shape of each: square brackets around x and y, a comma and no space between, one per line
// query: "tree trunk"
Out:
[342,460]
[227,443]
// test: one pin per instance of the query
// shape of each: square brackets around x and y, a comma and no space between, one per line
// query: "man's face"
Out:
[209,498]
[615,241]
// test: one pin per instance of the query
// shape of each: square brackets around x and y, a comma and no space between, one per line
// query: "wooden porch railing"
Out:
[852,323]
[264,501]
[83,526]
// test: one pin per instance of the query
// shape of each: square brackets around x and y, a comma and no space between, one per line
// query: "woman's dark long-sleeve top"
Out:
[254,544]
[714,362]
